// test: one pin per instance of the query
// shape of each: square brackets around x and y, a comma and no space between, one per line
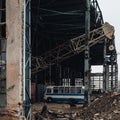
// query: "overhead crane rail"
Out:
[71,48]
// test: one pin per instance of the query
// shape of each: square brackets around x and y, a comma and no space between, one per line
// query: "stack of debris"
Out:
[105,107]
[8,115]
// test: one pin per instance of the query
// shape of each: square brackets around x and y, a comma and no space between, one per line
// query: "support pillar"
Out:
[116,76]
[14,53]
[18,54]
[86,58]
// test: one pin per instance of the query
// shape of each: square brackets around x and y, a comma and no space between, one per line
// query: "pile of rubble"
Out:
[105,107]
[8,115]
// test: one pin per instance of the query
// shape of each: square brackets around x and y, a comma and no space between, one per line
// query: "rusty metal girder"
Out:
[66,50]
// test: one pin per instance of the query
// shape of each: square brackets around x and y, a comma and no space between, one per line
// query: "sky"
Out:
[110,11]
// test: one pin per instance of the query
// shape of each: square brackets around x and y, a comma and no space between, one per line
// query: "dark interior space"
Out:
[2,19]
[55,22]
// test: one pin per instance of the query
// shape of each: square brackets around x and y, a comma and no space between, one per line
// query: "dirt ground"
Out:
[104,107]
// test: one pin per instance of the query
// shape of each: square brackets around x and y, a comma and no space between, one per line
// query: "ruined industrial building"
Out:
[56,43]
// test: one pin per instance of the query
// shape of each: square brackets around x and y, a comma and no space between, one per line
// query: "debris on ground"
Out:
[104,107]
[107,107]
[8,115]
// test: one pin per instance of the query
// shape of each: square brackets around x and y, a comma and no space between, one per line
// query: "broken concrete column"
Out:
[14,52]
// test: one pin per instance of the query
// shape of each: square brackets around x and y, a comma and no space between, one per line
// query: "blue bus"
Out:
[64,94]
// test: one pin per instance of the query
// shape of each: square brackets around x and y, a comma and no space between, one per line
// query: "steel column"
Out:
[116,76]
[27,59]
[2,56]
[86,58]
[104,67]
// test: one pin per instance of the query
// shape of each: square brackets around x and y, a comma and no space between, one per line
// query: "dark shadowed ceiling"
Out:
[57,21]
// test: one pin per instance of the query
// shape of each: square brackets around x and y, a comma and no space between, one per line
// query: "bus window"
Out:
[72,90]
[48,90]
[64,94]
[82,90]
[66,89]
[55,90]
[78,90]
[61,90]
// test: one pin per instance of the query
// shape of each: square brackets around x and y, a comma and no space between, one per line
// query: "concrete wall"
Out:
[15,38]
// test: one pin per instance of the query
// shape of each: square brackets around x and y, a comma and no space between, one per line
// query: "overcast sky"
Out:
[110,10]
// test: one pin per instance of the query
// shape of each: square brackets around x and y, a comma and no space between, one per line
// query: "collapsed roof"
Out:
[57,21]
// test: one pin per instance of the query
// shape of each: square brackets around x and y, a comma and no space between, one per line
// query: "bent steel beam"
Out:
[67,49]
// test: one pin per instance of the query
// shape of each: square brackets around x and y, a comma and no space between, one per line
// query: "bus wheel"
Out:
[71,102]
[49,99]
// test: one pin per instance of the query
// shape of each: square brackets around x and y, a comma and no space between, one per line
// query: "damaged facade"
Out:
[39,29]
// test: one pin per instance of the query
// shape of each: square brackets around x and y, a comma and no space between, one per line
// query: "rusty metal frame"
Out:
[66,50]
[95,4]
[63,51]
